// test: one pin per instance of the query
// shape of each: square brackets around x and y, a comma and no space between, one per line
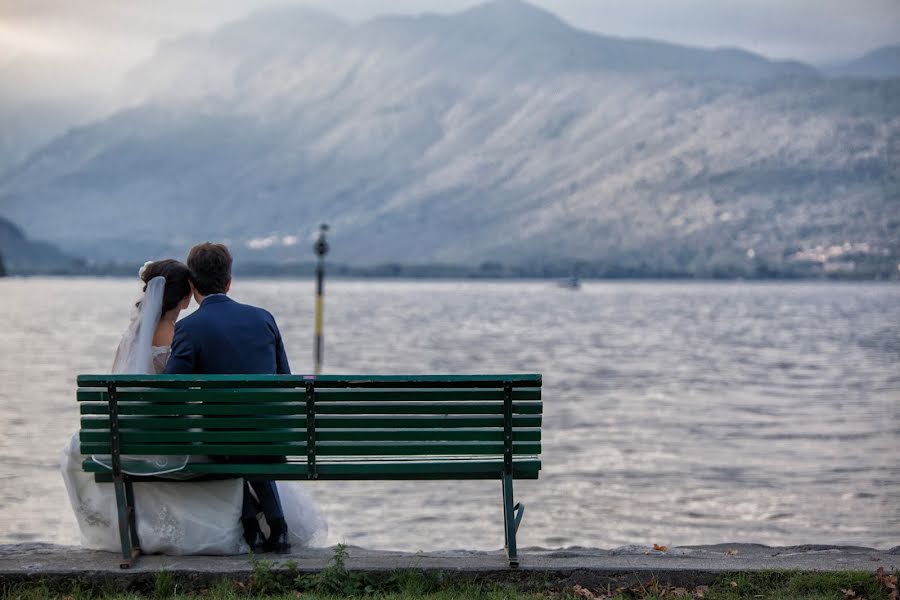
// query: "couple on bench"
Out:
[221,337]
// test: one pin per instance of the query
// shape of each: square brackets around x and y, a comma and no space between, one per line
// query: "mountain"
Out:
[28,125]
[881,63]
[496,134]
[35,108]
[22,255]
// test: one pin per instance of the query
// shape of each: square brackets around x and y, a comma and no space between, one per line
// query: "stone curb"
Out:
[685,566]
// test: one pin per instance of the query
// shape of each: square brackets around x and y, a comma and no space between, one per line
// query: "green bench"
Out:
[346,427]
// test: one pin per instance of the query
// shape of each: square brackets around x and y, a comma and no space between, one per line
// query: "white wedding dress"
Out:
[172,518]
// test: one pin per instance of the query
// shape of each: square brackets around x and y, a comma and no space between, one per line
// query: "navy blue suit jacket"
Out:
[224,337]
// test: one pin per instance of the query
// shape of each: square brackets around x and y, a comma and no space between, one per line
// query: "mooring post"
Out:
[321,249]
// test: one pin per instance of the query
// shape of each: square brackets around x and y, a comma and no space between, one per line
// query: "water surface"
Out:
[675,413]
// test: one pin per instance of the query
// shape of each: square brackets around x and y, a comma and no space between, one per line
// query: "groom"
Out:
[223,337]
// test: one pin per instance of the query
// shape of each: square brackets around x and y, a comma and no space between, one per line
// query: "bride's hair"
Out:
[177,281]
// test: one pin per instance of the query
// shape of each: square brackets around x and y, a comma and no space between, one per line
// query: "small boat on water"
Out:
[570,283]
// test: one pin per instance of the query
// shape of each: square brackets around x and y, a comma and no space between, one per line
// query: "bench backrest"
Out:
[315,420]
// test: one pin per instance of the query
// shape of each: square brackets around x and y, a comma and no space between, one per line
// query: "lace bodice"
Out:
[160,356]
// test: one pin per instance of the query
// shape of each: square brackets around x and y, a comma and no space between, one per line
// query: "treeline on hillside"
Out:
[864,267]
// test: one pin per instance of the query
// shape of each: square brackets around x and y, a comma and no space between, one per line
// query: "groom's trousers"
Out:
[267,499]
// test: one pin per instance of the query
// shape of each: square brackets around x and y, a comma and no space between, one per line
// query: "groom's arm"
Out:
[281,361]
[282,367]
[181,357]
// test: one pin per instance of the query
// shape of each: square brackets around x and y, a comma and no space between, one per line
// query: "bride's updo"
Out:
[177,281]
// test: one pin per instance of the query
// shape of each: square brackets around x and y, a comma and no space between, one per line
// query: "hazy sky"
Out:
[89,42]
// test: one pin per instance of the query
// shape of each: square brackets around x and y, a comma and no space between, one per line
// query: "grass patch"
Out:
[336,582]
[767,585]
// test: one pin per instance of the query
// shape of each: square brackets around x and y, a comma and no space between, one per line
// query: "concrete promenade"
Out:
[688,565]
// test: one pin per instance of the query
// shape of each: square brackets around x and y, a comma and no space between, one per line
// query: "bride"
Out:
[172,518]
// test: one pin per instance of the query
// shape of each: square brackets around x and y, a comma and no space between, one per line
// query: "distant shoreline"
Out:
[426,273]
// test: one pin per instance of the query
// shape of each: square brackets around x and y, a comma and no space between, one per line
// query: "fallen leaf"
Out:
[584,593]
[731,552]
[659,548]
[889,582]
[848,594]
[700,591]
[734,584]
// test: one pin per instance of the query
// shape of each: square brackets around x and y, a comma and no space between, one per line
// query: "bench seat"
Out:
[352,470]
[327,427]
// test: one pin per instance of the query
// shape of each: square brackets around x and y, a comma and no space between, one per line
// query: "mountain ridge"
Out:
[878,63]
[429,145]
[20,254]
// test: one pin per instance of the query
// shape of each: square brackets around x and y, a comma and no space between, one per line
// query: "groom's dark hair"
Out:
[210,266]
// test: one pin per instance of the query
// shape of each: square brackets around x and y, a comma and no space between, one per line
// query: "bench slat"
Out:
[419,421]
[448,469]
[424,395]
[399,435]
[185,437]
[134,436]
[336,408]
[299,381]
[176,396]
[188,423]
[322,423]
[294,395]
[414,408]
[421,470]
[322,449]
[252,410]
[423,448]
[284,448]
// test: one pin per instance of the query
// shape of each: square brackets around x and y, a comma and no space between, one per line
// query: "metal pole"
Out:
[321,249]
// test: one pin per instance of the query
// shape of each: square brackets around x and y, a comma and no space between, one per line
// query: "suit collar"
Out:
[215,299]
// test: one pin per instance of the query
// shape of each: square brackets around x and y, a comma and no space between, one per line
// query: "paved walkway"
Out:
[688,565]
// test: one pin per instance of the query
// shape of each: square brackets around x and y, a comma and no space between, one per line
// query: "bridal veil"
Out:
[135,357]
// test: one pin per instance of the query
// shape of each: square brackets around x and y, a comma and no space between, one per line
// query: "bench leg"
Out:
[124,493]
[132,518]
[510,521]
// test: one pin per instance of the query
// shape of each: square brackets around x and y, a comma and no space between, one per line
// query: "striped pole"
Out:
[321,249]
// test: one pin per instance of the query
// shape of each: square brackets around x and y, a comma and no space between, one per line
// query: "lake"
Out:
[675,413]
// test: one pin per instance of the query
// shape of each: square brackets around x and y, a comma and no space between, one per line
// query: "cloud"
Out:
[811,30]
[272,240]
[16,40]
[808,30]
[84,48]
